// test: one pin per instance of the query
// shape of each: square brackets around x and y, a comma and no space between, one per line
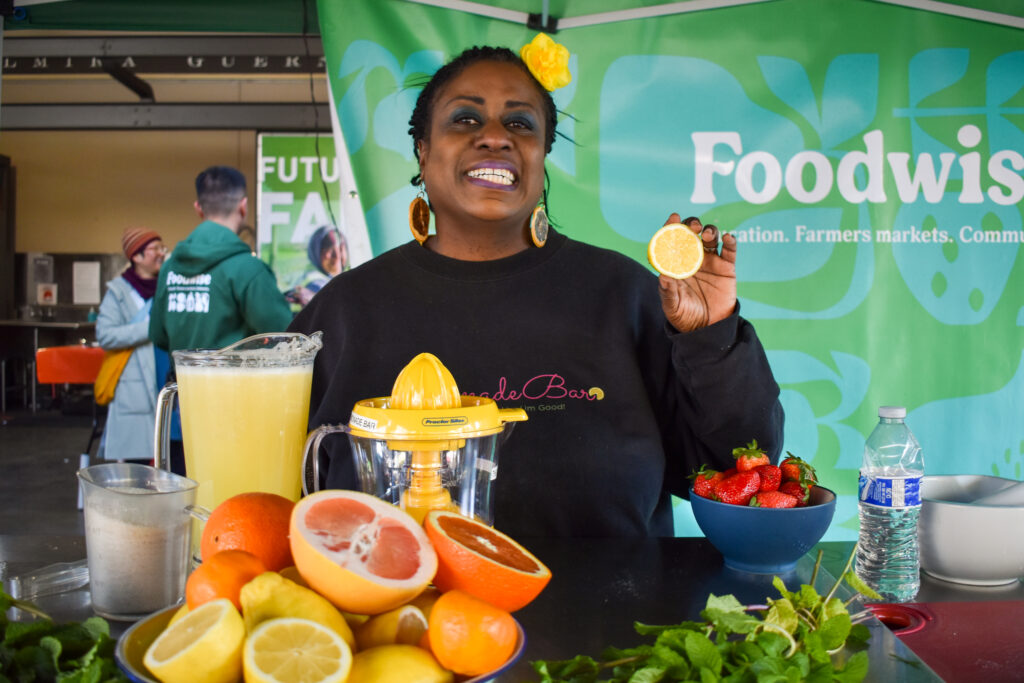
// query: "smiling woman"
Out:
[633,381]
[481,130]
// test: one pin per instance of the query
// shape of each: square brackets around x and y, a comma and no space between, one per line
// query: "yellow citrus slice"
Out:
[205,644]
[676,251]
[397,664]
[363,554]
[403,625]
[294,650]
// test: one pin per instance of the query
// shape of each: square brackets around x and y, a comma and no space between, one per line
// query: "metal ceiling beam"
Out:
[156,46]
[274,116]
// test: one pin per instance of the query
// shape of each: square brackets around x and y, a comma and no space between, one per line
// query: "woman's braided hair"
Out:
[419,122]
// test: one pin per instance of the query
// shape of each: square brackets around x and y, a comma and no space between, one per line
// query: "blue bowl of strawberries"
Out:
[762,517]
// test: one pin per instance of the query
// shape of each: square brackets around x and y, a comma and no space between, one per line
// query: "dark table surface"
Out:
[599,587]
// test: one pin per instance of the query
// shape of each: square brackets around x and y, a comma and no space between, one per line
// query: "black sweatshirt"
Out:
[622,408]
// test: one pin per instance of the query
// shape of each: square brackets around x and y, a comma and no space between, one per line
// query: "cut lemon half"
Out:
[676,251]
[294,650]
[204,645]
[403,625]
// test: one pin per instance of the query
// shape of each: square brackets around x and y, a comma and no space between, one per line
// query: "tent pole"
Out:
[652,11]
[959,11]
[478,8]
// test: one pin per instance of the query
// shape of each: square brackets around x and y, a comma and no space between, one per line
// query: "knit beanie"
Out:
[135,240]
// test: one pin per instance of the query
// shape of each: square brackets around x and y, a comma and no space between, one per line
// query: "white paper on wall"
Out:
[85,287]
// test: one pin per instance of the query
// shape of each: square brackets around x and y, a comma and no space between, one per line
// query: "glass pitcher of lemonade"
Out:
[244,413]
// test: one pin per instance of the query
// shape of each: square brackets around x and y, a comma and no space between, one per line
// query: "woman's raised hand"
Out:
[710,294]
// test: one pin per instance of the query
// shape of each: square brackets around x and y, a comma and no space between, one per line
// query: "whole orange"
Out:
[222,575]
[255,522]
[470,636]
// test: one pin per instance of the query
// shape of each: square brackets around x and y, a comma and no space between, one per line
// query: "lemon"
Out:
[676,251]
[397,664]
[404,625]
[425,600]
[204,646]
[179,615]
[270,596]
[294,650]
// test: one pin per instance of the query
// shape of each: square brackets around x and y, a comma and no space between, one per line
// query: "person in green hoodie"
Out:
[213,291]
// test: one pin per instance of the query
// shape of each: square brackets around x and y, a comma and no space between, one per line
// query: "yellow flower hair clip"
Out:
[547,61]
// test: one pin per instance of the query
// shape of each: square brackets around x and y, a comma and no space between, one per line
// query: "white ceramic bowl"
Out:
[981,545]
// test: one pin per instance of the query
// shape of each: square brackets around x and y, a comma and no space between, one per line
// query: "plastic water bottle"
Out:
[888,555]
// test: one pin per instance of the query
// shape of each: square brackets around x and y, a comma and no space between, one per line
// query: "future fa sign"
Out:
[295,195]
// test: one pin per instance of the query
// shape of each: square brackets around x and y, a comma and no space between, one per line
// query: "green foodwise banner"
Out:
[867,157]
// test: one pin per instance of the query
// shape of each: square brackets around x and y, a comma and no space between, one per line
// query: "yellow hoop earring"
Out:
[419,218]
[539,226]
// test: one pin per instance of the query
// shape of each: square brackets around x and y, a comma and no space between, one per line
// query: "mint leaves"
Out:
[799,636]
[41,651]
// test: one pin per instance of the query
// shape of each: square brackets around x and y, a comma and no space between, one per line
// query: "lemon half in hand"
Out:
[295,650]
[676,251]
[204,645]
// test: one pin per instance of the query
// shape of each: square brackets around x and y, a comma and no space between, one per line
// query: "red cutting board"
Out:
[962,641]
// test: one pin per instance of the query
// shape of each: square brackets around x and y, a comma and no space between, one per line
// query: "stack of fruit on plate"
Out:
[342,587]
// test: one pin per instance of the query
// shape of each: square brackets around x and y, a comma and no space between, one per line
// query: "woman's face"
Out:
[483,159]
[148,261]
[334,258]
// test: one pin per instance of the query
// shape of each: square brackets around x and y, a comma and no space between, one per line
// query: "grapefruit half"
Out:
[361,553]
[483,562]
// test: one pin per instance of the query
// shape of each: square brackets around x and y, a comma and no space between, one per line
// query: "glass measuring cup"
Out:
[137,537]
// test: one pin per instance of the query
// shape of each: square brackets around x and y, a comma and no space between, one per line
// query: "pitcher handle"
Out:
[162,428]
[312,447]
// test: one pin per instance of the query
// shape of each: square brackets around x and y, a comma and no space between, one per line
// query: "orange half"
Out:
[676,251]
[483,562]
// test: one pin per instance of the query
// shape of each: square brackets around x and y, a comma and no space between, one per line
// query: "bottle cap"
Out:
[899,412]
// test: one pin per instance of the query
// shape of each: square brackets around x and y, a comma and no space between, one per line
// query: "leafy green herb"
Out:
[800,636]
[41,651]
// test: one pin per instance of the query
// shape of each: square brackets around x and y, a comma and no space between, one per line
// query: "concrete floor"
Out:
[39,455]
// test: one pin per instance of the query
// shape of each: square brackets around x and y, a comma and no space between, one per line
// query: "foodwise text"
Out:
[809,177]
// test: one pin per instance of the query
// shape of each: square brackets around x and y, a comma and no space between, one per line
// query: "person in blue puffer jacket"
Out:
[123,322]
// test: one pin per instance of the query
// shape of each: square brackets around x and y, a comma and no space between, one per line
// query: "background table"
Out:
[43,332]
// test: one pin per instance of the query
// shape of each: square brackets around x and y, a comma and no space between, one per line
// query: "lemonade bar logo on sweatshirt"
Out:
[188,293]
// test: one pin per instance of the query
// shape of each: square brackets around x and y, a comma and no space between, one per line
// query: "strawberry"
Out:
[704,481]
[729,472]
[801,492]
[773,499]
[739,488]
[795,469]
[771,477]
[750,457]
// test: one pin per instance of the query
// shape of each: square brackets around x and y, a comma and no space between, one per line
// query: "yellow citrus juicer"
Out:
[426,446]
